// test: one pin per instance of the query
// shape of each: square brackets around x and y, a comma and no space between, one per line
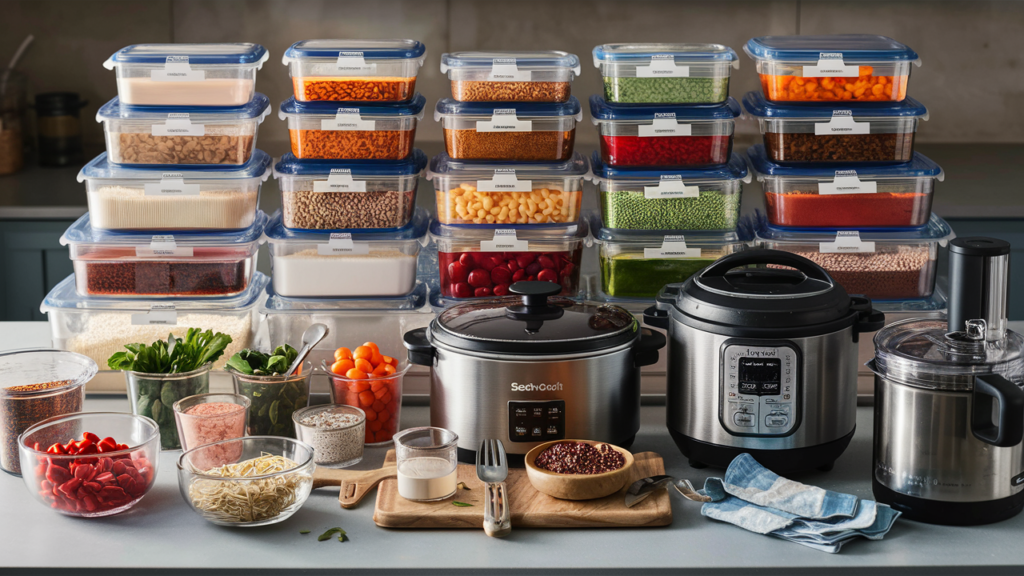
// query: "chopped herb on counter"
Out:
[462,486]
[342,535]
[304,531]
[460,504]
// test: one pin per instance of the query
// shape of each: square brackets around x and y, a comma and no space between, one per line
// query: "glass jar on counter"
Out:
[12,122]
[60,130]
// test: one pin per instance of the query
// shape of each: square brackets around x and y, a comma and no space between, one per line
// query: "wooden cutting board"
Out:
[530,509]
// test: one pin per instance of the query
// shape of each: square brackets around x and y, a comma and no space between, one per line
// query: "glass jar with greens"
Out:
[275,394]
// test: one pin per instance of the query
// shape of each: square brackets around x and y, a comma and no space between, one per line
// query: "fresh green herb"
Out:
[304,531]
[256,363]
[273,399]
[173,356]
[462,486]
[460,504]
[331,532]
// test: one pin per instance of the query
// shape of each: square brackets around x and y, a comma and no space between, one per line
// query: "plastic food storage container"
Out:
[667,135]
[541,76]
[337,265]
[192,198]
[348,194]
[879,264]
[478,262]
[499,193]
[379,397]
[850,67]
[133,265]
[854,133]
[354,70]
[185,135]
[894,196]
[521,132]
[638,264]
[99,327]
[332,131]
[187,74]
[665,73]
[670,199]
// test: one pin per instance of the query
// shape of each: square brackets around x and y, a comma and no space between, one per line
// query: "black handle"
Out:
[869,320]
[654,316]
[764,256]
[420,350]
[535,305]
[645,351]
[1008,427]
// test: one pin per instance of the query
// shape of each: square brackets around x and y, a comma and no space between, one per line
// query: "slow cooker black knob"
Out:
[534,296]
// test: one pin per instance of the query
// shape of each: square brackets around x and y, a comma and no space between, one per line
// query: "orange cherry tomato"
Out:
[363,352]
[358,386]
[390,369]
[364,365]
[355,374]
[383,416]
[390,360]
[370,414]
[386,398]
[342,353]
[372,346]
[366,398]
[377,359]
[377,406]
[378,385]
[375,426]
[381,369]
[342,366]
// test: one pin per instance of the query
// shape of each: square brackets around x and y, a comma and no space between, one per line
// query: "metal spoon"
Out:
[310,338]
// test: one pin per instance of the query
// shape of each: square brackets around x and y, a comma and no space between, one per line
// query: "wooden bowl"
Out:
[577,486]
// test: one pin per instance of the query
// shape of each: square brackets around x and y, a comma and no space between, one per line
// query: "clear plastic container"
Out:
[348,195]
[541,76]
[187,74]
[354,70]
[379,397]
[127,265]
[154,396]
[670,199]
[335,431]
[879,264]
[193,198]
[274,399]
[481,262]
[368,263]
[693,136]
[895,196]
[859,132]
[665,73]
[208,418]
[332,131]
[840,67]
[519,132]
[99,327]
[182,135]
[501,193]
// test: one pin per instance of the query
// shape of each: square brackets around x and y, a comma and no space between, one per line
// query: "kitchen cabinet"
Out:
[32,261]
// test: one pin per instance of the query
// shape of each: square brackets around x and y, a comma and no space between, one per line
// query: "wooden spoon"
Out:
[355,484]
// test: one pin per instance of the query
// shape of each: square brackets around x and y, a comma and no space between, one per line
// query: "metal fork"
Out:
[492,470]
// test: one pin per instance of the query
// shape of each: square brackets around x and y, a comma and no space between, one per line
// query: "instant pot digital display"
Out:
[760,376]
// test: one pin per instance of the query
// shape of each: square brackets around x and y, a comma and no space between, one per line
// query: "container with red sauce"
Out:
[848,196]
[162,264]
[669,135]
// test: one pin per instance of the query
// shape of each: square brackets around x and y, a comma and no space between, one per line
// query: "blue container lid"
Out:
[399,49]
[410,166]
[570,231]
[258,107]
[683,52]
[735,169]
[202,54]
[416,229]
[920,166]
[935,230]
[258,166]
[532,60]
[413,107]
[276,304]
[451,107]
[64,296]
[755,103]
[601,109]
[82,232]
[445,165]
[853,47]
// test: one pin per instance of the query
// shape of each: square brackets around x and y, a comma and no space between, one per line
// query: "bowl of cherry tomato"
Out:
[372,382]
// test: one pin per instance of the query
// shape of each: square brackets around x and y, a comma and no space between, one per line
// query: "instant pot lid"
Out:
[534,321]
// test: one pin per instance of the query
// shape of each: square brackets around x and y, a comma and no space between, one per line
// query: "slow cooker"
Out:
[533,367]
[762,358]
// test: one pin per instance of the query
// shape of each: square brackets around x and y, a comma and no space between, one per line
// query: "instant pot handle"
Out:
[654,316]
[868,320]
[645,351]
[1008,427]
[765,256]
[535,305]
[420,350]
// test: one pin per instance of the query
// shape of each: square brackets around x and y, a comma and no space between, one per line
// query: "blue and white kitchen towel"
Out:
[757,499]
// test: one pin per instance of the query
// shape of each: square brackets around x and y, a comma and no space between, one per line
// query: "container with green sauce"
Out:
[665,73]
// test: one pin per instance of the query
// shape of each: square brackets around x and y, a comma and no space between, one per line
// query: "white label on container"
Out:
[178,124]
[171,184]
[841,123]
[847,182]
[160,246]
[664,124]
[662,66]
[340,180]
[504,120]
[353,63]
[341,244]
[177,69]
[348,119]
[504,241]
[506,70]
[504,181]
[846,241]
[831,64]
[672,247]
[158,314]
[671,186]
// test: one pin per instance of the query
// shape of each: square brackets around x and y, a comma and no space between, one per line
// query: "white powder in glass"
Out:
[121,207]
[379,273]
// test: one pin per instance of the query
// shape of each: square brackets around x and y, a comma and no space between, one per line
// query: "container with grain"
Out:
[665,73]
[539,76]
[354,70]
[335,431]
[509,131]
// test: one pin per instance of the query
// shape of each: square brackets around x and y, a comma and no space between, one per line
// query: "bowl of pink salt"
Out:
[208,418]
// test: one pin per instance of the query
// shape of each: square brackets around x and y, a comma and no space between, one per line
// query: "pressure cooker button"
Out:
[538,412]
[776,420]
[552,431]
[743,419]
[520,432]
[520,412]
[537,432]
[553,412]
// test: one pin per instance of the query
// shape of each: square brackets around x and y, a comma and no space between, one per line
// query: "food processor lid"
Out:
[534,321]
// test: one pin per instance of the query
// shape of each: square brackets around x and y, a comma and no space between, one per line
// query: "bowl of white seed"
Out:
[335,431]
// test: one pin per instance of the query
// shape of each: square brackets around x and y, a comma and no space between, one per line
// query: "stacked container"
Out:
[843,185]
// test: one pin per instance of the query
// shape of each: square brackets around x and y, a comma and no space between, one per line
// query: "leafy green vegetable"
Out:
[254,362]
[331,532]
[172,356]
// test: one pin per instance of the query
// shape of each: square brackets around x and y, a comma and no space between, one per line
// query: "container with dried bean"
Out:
[541,76]
[185,135]
[519,132]
[665,73]
[354,70]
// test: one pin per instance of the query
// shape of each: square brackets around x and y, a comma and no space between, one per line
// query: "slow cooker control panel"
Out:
[760,386]
[536,421]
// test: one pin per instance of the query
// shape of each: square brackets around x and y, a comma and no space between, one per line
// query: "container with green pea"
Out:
[665,73]
[665,199]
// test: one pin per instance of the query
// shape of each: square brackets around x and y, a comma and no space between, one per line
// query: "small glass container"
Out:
[222,417]
[274,399]
[336,435]
[427,463]
[380,397]
[154,396]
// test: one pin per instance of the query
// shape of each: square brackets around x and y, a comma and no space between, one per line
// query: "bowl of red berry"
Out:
[90,464]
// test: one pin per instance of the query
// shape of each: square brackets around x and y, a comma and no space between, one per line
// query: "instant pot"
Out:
[533,367]
[762,358]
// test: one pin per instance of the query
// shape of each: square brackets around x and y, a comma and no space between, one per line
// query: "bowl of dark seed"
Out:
[578,469]
[335,431]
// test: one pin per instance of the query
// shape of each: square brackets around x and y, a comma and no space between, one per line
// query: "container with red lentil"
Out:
[145,265]
[513,131]
[361,131]
[354,70]
[879,264]
[818,196]
[697,136]
[541,76]
[841,133]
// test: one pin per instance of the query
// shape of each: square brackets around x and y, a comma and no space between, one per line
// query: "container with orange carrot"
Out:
[371,381]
